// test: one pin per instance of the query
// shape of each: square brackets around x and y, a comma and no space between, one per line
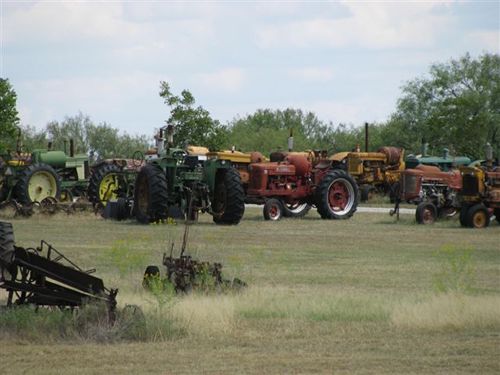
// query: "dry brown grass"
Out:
[449,311]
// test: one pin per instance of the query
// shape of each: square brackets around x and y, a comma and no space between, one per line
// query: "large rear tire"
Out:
[337,195]
[228,205]
[426,213]
[104,184]
[37,182]
[151,193]
[463,214]
[6,249]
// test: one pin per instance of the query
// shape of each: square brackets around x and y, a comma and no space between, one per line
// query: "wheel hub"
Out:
[479,220]
[340,196]
[108,187]
[428,216]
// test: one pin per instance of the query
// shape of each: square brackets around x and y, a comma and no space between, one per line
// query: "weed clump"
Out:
[457,270]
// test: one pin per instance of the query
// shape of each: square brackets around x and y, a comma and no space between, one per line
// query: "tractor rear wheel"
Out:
[337,195]
[228,205]
[478,216]
[273,209]
[463,214]
[296,209]
[426,213]
[151,193]
[104,184]
[37,182]
[6,248]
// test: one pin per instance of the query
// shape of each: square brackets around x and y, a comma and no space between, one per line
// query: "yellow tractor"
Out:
[480,195]
[374,172]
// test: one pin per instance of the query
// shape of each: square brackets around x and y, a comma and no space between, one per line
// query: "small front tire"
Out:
[478,216]
[426,213]
[273,209]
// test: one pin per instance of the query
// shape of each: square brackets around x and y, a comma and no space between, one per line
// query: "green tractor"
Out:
[111,179]
[177,184]
[42,175]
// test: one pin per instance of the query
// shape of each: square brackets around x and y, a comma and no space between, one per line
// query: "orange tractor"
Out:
[433,191]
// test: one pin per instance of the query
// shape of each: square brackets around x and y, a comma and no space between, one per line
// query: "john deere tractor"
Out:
[177,184]
[42,175]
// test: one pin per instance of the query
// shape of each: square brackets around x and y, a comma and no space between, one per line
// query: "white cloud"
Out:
[486,40]
[104,24]
[67,21]
[97,96]
[229,79]
[311,74]
[370,25]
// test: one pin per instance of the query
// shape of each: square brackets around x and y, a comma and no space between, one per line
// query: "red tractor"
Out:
[302,179]
[433,191]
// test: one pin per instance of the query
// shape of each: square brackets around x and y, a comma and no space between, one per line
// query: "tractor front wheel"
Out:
[37,182]
[426,213]
[337,195]
[151,193]
[228,205]
[273,209]
[478,216]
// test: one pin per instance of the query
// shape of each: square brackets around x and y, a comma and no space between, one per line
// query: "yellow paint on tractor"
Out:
[233,156]
[41,185]
[197,150]
[108,186]
[373,168]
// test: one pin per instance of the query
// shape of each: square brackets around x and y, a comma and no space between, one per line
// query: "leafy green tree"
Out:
[193,125]
[102,139]
[9,119]
[127,145]
[456,106]
[267,130]
[60,133]
[33,139]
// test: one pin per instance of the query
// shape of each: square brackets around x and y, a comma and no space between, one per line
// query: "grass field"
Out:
[367,295]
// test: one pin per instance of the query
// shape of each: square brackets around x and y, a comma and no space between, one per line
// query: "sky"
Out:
[344,60]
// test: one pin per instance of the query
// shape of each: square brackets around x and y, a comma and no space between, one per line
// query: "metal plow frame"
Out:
[32,278]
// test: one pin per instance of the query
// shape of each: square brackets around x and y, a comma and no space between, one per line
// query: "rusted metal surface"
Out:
[298,179]
[48,206]
[433,191]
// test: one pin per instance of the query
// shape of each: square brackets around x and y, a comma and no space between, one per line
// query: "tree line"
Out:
[456,105]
